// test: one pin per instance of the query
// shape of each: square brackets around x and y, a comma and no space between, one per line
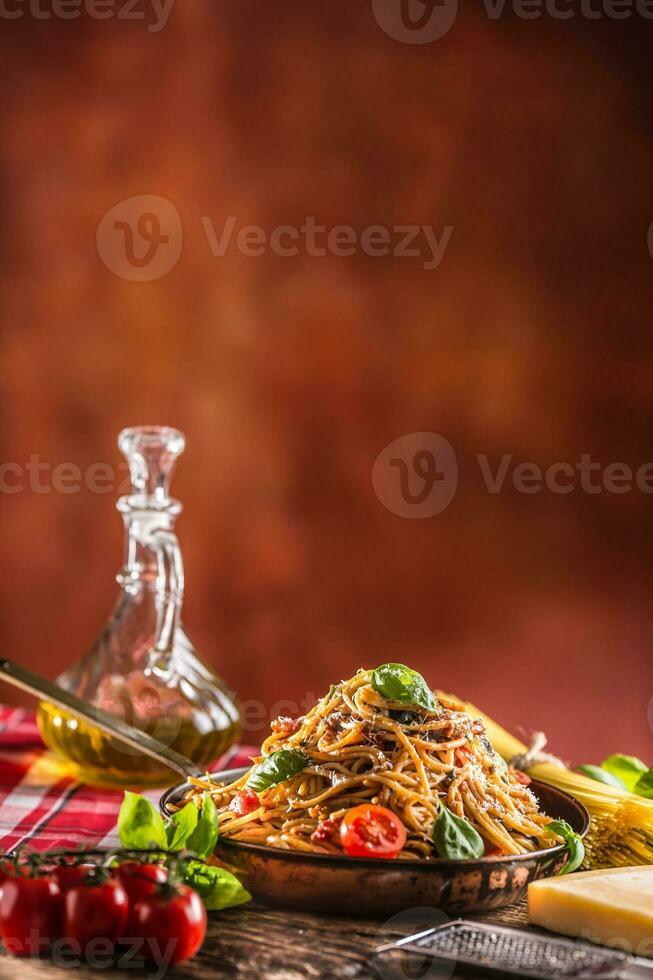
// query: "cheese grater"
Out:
[499,950]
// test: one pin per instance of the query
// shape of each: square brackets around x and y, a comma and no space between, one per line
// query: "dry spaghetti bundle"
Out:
[380,738]
[621,832]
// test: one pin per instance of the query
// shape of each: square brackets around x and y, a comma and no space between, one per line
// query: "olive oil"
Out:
[143,668]
[99,760]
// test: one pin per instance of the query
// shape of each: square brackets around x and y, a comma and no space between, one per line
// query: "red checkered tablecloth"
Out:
[42,807]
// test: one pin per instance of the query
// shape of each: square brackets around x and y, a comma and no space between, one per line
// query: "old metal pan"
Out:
[363,886]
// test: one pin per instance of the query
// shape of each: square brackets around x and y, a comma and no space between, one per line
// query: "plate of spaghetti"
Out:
[386,795]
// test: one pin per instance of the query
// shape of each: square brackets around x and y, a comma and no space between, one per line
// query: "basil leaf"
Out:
[395,682]
[276,768]
[644,786]
[204,838]
[140,824]
[602,776]
[573,842]
[217,887]
[180,827]
[627,768]
[455,838]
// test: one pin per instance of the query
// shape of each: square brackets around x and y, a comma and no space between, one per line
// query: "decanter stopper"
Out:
[151,452]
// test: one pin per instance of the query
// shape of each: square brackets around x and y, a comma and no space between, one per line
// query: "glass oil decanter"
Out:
[143,667]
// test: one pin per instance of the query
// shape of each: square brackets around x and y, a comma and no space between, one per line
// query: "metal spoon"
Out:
[118,729]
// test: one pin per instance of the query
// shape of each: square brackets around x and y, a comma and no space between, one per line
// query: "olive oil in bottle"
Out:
[143,668]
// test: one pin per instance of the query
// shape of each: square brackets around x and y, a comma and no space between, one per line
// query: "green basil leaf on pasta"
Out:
[277,768]
[602,776]
[140,825]
[575,845]
[401,684]
[205,835]
[455,838]
[627,768]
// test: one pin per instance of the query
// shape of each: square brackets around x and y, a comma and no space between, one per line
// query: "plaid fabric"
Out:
[43,808]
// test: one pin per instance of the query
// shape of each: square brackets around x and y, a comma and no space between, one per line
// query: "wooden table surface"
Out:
[258,943]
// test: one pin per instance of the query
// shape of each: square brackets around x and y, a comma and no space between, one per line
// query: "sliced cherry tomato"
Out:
[521,777]
[372,831]
[171,914]
[139,881]
[246,801]
[96,909]
[30,915]
[325,831]
[493,851]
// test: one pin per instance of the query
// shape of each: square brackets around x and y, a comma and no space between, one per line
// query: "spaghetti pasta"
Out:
[358,746]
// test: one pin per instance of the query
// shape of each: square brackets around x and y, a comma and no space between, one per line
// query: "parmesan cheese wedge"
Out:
[612,908]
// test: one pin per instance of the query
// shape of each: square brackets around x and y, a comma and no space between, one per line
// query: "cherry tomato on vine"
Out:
[96,909]
[175,913]
[67,876]
[30,914]
[139,881]
[372,831]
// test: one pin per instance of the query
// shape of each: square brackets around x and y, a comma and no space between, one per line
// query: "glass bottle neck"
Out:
[152,559]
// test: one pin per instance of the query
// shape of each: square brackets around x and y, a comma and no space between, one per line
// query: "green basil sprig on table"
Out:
[140,826]
[602,776]
[627,768]
[396,682]
[644,785]
[625,772]
[455,838]
[276,768]
[572,840]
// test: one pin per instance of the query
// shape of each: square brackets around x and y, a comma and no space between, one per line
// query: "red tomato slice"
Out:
[245,802]
[372,831]
[521,777]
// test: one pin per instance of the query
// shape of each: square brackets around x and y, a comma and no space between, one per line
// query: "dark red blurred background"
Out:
[534,140]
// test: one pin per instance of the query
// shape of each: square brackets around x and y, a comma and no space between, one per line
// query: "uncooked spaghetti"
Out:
[409,750]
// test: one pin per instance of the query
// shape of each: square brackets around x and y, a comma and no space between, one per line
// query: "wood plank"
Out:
[258,943]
